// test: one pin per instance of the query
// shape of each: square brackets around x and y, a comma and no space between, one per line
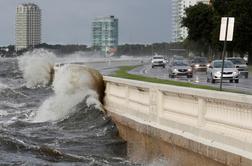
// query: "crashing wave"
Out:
[72,84]
[36,67]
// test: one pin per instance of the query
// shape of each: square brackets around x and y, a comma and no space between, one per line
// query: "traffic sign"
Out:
[227,24]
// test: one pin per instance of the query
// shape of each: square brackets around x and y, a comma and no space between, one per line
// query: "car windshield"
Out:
[237,61]
[158,57]
[178,58]
[180,63]
[200,60]
[227,64]
[59,64]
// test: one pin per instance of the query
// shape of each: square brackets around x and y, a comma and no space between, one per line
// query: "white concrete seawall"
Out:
[220,122]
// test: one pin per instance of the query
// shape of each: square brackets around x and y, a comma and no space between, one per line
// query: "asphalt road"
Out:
[244,85]
[108,67]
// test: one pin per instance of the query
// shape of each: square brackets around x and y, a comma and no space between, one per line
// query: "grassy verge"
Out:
[250,69]
[123,73]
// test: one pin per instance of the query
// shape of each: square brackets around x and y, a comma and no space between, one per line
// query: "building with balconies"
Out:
[105,33]
[28,26]
[179,33]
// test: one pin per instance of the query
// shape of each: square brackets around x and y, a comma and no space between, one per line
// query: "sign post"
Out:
[226,34]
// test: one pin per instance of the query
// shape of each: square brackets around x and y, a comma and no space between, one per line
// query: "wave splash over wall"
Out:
[72,84]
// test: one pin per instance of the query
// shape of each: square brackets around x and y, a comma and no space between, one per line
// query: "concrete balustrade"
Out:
[218,120]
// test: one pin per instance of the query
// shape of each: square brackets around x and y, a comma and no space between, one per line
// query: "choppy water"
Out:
[85,136]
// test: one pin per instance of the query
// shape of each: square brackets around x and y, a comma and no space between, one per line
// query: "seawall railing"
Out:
[216,119]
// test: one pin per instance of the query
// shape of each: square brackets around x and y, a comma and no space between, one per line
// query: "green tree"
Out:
[203,23]
[199,21]
[242,11]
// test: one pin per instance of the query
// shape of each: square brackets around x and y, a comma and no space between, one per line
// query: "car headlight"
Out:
[197,65]
[235,73]
[189,69]
[175,70]
[218,74]
[208,65]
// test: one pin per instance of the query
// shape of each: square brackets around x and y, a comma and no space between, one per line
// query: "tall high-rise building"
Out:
[28,26]
[179,33]
[105,33]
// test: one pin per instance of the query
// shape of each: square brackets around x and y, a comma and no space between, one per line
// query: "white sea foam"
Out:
[3,113]
[163,162]
[12,105]
[36,67]
[3,86]
[72,84]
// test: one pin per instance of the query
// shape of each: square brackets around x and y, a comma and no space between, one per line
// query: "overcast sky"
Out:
[69,21]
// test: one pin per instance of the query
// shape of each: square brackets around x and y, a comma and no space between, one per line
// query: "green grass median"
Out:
[250,69]
[123,73]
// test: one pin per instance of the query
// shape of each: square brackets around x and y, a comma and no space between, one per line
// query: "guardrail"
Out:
[217,119]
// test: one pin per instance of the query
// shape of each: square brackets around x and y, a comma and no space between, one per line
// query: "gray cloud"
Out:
[69,21]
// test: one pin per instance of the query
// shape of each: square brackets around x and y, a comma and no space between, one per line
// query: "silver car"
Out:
[180,68]
[229,73]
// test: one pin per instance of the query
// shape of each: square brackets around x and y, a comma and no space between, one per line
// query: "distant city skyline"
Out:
[69,22]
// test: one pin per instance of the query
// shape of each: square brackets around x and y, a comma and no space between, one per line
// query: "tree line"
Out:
[124,49]
[151,49]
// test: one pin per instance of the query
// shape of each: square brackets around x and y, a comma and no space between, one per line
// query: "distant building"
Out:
[105,33]
[28,26]
[178,11]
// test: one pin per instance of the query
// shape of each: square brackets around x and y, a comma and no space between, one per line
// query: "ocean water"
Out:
[61,124]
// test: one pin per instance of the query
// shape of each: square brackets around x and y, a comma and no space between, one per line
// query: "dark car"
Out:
[180,68]
[200,63]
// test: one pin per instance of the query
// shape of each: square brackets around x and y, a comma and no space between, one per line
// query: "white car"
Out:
[229,73]
[158,60]
[57,66]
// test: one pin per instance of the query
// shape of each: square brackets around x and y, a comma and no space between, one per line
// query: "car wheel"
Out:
[207,80]
[246,75]
[212,80]
[236,81]
[164,66]
[231,81]
[152,66]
